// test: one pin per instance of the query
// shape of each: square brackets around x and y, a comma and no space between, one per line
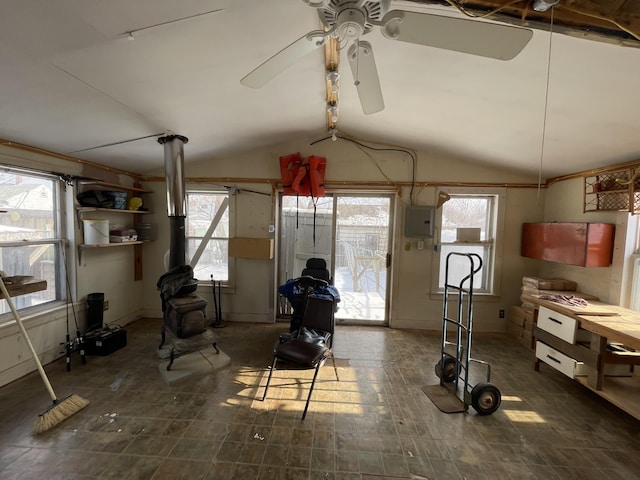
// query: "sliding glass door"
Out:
[352,233]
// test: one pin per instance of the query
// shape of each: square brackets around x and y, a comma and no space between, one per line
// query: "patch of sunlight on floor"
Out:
[289,389]
[511,398]
[523,416]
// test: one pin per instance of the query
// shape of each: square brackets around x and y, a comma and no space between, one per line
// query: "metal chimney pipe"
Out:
[176,198]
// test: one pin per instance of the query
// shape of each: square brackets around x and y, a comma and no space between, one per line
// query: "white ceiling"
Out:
[70,80]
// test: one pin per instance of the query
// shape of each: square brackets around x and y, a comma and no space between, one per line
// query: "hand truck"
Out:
[455,356]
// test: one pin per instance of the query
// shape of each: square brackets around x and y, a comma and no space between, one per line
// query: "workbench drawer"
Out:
[569,366]
[557,324]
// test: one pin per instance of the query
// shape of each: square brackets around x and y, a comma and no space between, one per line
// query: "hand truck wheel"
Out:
[446,369]
[485,398]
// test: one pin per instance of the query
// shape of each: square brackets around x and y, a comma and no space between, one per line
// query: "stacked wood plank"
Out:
[522,317]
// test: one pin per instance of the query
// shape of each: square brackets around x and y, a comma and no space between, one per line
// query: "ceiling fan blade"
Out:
[365,74]
[502,42]
[272,67]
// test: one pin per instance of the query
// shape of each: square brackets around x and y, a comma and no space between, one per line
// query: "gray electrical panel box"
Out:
[419,221]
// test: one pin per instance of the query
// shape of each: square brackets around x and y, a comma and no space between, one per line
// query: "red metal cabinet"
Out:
[583,244]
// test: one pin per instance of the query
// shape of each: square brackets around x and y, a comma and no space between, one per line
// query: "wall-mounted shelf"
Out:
[615,190]
[81,210]
[84,246]
[116,210]
[113,185]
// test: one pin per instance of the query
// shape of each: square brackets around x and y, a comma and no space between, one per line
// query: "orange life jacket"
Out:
[289,167]
[317,167]
[303,176]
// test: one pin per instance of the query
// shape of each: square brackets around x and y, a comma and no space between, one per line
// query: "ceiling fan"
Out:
[349,20]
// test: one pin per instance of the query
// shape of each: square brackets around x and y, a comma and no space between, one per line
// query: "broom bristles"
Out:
[58,412]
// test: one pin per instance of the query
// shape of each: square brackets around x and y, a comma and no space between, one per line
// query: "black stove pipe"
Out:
[176,197]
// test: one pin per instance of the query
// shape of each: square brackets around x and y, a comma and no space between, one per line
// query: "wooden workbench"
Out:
[623,327]
[611,326]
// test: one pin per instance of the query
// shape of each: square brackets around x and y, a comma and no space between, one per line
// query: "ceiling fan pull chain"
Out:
[546,103]
[356,81]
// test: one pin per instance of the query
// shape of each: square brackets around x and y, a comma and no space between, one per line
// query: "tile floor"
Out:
[375,421]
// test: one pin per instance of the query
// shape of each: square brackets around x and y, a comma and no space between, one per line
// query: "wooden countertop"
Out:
[623,328]
[31,286]
[593,307]
[617,324]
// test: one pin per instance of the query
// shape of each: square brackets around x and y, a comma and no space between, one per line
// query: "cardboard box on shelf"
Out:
[122,235]
[514,331]
[549,283]
[527,341]
[467,234]
[516,315]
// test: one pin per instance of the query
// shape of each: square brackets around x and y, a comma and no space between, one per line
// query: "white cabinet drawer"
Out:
[557,324]
[561,362]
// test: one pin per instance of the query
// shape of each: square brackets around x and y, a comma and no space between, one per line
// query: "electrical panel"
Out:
[419,220]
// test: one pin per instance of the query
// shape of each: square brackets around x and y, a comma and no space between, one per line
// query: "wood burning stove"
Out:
[184,312]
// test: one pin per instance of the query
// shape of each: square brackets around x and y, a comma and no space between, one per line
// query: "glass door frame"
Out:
[331,265]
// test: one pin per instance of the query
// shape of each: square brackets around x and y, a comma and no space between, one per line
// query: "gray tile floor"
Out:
[376,420]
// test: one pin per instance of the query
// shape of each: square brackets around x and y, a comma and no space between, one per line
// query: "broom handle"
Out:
[26,336]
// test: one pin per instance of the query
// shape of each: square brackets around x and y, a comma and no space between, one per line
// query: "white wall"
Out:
[564,203]
[252,297]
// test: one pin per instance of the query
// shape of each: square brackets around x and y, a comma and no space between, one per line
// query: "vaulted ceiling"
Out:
[97,80]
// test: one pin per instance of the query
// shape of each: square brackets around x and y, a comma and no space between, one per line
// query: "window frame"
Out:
[494,243]
[58,241]
[211,190]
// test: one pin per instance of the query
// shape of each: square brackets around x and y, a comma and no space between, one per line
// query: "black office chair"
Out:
[311,345]
[317,268]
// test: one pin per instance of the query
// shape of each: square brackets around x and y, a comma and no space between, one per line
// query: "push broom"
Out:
[61,408]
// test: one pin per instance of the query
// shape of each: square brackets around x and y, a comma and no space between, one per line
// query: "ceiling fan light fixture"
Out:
[332,110]
[544,5]
[333,77]
[316,3]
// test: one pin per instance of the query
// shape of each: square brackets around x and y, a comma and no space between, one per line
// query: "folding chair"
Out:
[311,345]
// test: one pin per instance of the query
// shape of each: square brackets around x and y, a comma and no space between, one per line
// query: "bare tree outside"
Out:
[202,208]
[464,212]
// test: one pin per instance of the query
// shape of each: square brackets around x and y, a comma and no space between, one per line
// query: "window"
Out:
[208,234]
[31,234]
[479,212]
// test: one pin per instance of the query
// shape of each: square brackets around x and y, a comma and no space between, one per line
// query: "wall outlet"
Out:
[501,314]
[105,305]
